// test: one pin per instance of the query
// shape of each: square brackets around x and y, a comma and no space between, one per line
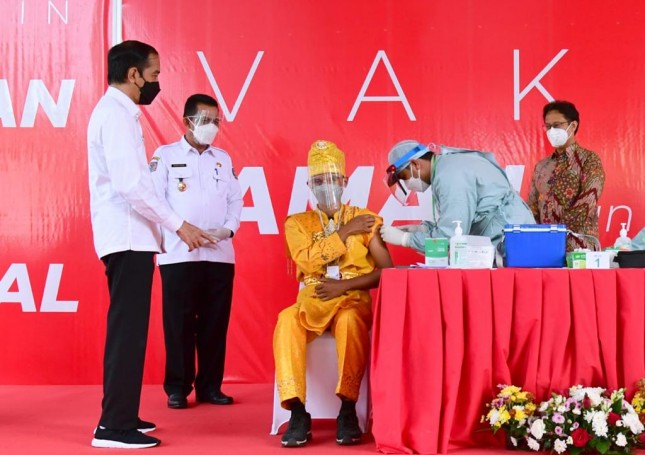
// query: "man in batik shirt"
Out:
[338,258]
[566,186]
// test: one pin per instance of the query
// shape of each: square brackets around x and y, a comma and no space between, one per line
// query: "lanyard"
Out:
[433,170]
[333,270]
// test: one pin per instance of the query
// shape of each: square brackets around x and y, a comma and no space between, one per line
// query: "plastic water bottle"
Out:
[623,243]
[458,247]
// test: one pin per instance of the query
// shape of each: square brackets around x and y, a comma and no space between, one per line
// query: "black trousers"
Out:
[129,275]
[196,310]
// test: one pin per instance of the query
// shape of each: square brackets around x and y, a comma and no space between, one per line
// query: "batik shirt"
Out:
[565,189]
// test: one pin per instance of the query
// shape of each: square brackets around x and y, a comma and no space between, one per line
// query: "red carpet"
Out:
[55,420]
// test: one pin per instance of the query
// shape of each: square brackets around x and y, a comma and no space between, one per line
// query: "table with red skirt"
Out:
[442,341]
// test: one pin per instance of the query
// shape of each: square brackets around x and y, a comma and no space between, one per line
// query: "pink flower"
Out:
[558,431]
[558,418]
[575,426]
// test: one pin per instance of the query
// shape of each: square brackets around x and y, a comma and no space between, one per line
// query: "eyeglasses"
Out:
[326,178]
[548,126]
[205,120]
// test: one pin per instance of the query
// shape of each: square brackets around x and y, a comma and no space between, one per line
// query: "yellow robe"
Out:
[349,316]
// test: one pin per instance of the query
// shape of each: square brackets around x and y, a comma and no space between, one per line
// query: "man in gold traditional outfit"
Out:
[338,258]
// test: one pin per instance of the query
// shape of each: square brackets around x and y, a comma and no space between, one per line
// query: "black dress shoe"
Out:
[177,401]
[214,398]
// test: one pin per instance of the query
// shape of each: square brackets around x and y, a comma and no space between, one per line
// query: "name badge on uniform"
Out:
[333,272]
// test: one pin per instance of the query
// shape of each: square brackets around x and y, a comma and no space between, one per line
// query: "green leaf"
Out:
[617,407]
[575,450]
[602,445]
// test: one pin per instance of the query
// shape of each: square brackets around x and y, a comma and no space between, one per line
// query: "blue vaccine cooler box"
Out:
[535,245]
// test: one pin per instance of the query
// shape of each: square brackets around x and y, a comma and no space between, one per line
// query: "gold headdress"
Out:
[325,157]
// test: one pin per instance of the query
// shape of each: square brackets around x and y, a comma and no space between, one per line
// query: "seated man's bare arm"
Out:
[329,289]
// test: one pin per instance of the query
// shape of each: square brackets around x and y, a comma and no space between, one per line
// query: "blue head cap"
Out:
[402,153]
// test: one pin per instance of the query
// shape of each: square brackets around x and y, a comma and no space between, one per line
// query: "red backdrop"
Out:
[287,72]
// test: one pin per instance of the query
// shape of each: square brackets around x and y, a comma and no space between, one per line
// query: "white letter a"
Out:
[380,55]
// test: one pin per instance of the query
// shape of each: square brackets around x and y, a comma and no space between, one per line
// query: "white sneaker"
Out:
[123,439]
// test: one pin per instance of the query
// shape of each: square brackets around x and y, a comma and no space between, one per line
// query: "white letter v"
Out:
[229,115]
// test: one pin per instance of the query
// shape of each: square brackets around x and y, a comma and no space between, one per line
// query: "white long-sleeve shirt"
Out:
[125,207]
[211,198]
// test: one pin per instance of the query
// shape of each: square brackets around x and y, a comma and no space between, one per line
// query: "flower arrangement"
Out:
[582,419]
[511,410]
[638,403]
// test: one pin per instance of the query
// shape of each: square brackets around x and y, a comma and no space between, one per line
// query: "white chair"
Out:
[322,377]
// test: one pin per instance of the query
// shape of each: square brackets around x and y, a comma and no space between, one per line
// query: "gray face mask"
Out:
[328,195]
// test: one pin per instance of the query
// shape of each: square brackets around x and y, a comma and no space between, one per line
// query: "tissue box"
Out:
[480,252]
[535,245]
[480,257]
[436,252]
[577,260]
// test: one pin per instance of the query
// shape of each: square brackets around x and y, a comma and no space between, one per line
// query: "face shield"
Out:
[205,126]
[397,186]
[327,187]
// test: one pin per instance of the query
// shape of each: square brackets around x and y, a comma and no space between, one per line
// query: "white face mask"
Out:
[328,195]
[415,183]
[205,134]
[557,136]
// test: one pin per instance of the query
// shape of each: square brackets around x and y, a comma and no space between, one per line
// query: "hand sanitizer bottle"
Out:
[623,243]
[458,247]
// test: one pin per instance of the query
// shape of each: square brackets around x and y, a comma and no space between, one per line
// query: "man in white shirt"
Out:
[126,212]
[199,183]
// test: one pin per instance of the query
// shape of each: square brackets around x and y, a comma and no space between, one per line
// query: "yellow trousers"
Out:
[350,327]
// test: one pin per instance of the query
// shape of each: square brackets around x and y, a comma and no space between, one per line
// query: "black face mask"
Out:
[148,91]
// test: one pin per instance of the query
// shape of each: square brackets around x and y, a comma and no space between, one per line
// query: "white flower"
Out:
[493,416]
[560,446]
[514,441]
[594,394]
[570,441]
[561,409]
[619,423]
[621,440]
[631,421]
[599,424]
[577,393]
[576,411]
[533,444]
[537,429]
[543,406]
